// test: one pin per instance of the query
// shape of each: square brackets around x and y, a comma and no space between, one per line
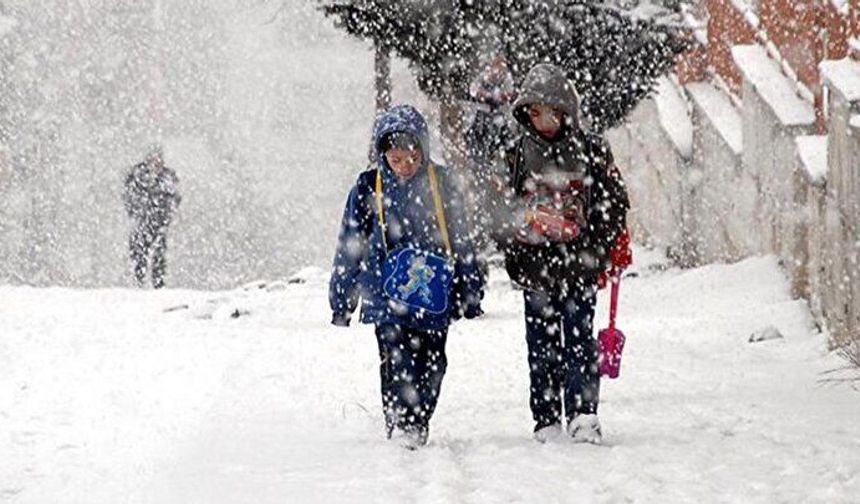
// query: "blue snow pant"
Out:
[148,245]
[562,354]
[412,365]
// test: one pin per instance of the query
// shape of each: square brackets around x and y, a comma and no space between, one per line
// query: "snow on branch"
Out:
[613,56]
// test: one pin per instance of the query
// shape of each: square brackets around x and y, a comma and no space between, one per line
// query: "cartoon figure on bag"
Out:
[420,276]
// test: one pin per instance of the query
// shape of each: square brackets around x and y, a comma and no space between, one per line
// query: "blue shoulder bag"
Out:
[418,282]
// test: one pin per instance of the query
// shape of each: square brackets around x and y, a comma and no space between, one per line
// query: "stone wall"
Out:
[760,180]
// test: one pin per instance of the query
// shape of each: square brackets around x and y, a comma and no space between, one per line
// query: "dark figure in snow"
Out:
[406,203]
[487,139]
[150,197]
[492,92]
[567,205]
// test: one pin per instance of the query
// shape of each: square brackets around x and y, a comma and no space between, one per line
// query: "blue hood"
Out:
[401,119]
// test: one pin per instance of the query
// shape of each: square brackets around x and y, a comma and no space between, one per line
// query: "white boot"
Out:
[548,433]
[585,429]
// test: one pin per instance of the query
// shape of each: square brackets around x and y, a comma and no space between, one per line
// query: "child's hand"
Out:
[552,224]
[606,277]
[529,216]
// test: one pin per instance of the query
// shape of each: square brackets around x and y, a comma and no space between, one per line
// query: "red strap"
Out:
[613,303]
[622,255]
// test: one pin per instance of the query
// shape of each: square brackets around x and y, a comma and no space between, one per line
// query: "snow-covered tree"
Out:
[612,50]
[612,57]
[437,37]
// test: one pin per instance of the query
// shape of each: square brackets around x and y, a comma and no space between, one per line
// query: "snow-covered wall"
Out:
[758,181]
[812,265]
[842,79]
[773,116]
[723,199]
[654,160]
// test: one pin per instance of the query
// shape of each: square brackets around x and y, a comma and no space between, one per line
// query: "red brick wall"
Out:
[726,28]
[839,31]
[854,15]
[692,65]
[796,27]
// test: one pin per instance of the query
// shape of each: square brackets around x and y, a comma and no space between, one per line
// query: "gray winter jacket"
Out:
[584,161]
[151,195]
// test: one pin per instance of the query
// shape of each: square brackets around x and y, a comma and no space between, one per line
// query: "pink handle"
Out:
[613,303]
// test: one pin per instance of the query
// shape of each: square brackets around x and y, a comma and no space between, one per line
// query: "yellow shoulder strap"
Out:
[379,207]
[440,211]
[437,201]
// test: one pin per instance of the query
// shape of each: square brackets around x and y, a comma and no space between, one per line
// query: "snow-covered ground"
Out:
[105,397]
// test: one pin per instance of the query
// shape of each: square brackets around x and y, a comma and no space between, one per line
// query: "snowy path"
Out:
[105,398]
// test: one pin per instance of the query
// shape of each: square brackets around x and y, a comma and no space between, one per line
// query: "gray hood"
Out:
[547,84]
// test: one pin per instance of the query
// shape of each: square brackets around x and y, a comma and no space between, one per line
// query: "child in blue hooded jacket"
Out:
[403,252]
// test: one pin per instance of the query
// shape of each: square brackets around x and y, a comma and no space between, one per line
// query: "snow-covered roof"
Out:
[812,150]
[720,111]
[674,117]
[774,88]
[843,75]
[7,24]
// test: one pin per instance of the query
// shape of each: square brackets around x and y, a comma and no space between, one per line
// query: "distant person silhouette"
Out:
[150,197]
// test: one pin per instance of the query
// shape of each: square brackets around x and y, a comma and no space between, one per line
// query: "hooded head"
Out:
[400,127]
[547,85]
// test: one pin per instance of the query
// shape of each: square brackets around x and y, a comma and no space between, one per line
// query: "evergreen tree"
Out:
[612,55]
[437,37]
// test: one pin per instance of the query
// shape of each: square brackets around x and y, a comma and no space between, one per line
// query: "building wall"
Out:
[844,202]
[722,205]
[804,32]
[723,196]
[654,173]
[726,28]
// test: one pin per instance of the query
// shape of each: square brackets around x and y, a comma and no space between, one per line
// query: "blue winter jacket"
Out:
[410,218]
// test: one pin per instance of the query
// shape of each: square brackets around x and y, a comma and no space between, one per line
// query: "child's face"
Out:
[404,162]
[498,67]
[546,119]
